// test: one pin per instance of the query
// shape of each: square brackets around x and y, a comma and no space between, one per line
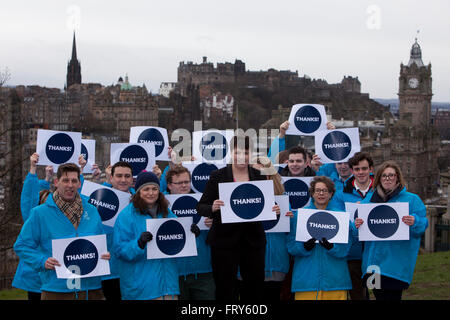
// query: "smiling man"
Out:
[356,188]
[64,215]
[297,164]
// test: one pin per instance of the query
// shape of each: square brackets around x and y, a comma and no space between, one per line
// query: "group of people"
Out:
[234,260]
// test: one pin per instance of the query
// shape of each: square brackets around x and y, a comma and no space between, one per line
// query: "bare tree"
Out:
[5,76]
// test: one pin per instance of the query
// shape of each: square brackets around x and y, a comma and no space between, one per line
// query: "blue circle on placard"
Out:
[136,156]
[322,225]
[247,201]
[336,145]
[84,152]
[153,135]
[83,254]
[201,174]
[307,119]
[298,192]
[106,202]
[269,224]
[185,207]
[59,148]
[383,221]
[171,237]
[214,146]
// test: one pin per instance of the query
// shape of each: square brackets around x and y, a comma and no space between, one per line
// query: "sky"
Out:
[323,39]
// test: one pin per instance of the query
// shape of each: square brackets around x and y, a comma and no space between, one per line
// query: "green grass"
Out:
[431,280]
[13,294]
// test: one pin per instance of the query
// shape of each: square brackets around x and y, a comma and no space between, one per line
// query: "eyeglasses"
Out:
[324,191]
[181,182]
[389,176]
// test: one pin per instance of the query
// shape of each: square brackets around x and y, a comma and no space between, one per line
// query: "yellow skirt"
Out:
[321,295]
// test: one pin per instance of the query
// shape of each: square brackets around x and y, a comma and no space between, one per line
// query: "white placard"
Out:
[212,146]
[80,257]
[200,172]
[307,119]
[155,135]
[184,205]
[58,147]
[352,209]
[247,201]
[141,156]
[88,150]
[339,145]
[313,223]
[383,221]
[108,201]
[283,222]
[297,188]
[172,238]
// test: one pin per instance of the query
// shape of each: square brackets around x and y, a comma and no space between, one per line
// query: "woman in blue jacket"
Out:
[320,271]
[142,278]
[395,260]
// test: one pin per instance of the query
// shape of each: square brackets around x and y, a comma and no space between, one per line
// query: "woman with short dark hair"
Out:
[320,269]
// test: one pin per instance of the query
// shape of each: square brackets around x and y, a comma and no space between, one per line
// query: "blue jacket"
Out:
[276,147]
[318,269]
[397,259]
[349,194]
[141,278]
[201,263]
[47,222]
[277,256]
[109,241]
[26,278]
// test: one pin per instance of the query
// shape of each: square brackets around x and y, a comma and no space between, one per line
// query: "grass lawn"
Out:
[431,280]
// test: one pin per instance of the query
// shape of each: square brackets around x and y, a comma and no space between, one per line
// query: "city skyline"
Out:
[147,41]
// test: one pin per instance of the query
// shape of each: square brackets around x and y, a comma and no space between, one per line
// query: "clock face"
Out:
[413,83]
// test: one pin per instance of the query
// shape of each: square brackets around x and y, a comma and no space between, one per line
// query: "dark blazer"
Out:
[229,235]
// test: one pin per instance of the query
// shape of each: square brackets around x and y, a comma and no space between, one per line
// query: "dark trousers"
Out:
[34,296]
[225,263]
[358,292]
[111,289]
[385,294]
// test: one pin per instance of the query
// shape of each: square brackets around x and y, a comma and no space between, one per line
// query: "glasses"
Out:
[389,176]
[181,182]
[319,191]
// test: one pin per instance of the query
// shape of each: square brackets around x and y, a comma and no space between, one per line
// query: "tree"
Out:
[5,76]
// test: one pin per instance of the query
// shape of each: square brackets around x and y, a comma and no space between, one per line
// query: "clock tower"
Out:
[415,90]
[414,141]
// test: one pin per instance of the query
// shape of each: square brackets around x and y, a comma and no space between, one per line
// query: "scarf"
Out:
[72,210]
[380,195]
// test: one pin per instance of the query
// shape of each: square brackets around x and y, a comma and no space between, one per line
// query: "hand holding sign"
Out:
[381,221]
[339,145]
[307,119]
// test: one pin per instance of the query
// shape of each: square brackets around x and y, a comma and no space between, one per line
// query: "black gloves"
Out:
[310,244]
[324,243]
[145,237]
[195,230]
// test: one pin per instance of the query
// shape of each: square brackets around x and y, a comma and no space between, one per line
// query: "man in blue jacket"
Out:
[195,273]
[64,215]
[356,188]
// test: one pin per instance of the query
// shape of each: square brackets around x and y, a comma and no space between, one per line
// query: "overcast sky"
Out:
[325,39]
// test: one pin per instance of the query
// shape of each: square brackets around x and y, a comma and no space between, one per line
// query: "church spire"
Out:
[73,67]
[74,48]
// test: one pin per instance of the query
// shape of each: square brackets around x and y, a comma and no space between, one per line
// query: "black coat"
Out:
[229,235]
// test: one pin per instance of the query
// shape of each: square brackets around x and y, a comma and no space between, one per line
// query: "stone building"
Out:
[413,142]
